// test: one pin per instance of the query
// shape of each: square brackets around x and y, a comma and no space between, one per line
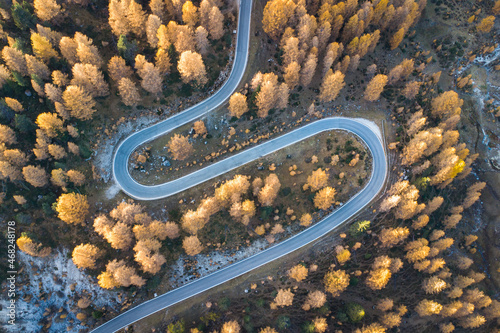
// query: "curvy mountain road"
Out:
[362,128]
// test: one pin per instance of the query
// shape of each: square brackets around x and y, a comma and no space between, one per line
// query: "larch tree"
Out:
[201,37]
[42,47]
[427,308]
[76,177]
[324,198]
[216,23]
[317,180]
[27,245]
[283,298]
[7,135]
[119,274]
[15,157]
[162,61]
[36,67]
[117,21]
[118,69]
[194,220]
[15,60]
[72,208]
[331,86]
[486,24]
[56,151]
[46,10]
[411,89]
[375,87]
[36,176]
[282,96]
[86,255]
[68,48]
[151,78]
[447,105]
[276,16]
[230,327]
[397,38]
[50,123]
[315,299]
[291,52]
[266,98]
[199,127]
[336,281]
[190,14]
[119,236]
[180,147]
[152,26]
[269,192]
[192,68]
[184,39]
[128,92]
[298,272]
[90,78]
[238,105]
[292,75]
[192,245]
[136,18]
[80,103]
[308,70]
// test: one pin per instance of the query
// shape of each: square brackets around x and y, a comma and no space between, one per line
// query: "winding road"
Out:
[367,131]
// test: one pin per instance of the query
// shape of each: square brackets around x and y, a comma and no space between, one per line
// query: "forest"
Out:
[73,71]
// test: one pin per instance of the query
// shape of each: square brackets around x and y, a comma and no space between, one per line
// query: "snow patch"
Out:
[46,284]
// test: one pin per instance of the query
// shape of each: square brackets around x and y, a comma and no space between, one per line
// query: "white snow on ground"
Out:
[103,157]
[211,262]
[53,276]
[112,190]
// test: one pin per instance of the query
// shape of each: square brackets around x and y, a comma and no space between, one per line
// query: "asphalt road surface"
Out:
[366,131]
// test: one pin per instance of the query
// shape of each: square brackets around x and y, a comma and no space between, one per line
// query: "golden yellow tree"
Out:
[190,14]
[76,177]
[15,60]
[46,10]
[80,104]
[192,68]
[152,25]
[230,327]
[397,38]
[128,92]
[276,15]
[283,298]
[192,245]
[447,104]
[26,244]
[85,256]
[428,308]
[336,282]
[315,300]
[331,86]
[180,147]
[375,87]
[269,192]
[317,180]
[42,47]
[117,68]
[36,176]
[324,198]
[298,272]
[72,207]
[486,24]
[90,78]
